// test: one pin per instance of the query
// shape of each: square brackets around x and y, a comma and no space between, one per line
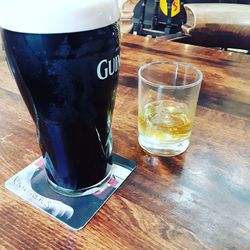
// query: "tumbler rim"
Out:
[158,85]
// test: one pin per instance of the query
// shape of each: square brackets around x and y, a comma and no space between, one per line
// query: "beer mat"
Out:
[75,212]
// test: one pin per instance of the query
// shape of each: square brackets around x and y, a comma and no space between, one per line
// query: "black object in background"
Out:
[150,20]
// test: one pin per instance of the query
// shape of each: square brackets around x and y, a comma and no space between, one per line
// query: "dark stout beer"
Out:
[68,78]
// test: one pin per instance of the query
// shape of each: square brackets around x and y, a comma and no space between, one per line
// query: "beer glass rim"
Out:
[199,75]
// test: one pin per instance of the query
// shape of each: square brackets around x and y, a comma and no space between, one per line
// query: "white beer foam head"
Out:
[57,16]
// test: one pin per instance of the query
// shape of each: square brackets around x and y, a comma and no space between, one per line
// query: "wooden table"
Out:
[197,200]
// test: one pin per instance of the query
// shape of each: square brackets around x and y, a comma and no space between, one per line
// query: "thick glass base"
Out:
[80,192]
[163,148]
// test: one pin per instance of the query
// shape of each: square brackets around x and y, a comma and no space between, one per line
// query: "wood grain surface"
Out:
[197,200]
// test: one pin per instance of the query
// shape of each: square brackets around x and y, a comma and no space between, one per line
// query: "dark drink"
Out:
[68,81]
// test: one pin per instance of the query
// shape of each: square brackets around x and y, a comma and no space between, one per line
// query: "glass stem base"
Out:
[80,192]
[164,149]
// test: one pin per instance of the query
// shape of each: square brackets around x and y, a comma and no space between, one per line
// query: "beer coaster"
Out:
[31,184]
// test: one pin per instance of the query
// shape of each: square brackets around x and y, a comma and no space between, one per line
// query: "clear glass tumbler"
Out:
[167,100]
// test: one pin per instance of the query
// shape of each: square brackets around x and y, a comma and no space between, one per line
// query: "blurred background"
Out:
[223,24]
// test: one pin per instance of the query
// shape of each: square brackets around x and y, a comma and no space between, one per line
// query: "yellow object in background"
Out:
[176,7]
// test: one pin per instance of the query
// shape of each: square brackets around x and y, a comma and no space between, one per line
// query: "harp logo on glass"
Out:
[107,67]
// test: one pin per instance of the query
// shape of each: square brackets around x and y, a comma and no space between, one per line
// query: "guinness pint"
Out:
[65,58]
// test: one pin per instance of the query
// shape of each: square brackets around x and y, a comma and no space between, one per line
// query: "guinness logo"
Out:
[107,67]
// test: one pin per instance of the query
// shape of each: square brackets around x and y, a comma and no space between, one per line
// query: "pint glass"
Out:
[64,56]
